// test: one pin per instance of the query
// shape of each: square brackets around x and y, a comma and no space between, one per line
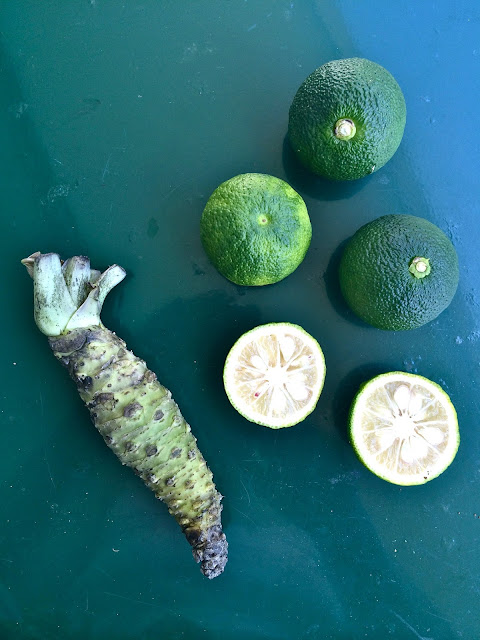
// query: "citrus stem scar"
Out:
[263,219]
[345,129]
[420,267]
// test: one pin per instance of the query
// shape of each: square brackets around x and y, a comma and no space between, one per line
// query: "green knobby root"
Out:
[144,427]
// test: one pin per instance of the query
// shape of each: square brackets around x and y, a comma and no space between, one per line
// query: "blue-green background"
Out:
[117,121]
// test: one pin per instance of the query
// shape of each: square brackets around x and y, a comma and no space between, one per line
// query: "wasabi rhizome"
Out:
[134,413]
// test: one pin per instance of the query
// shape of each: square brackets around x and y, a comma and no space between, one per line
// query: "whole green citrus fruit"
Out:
[347,119]
[399,272]
[255,229]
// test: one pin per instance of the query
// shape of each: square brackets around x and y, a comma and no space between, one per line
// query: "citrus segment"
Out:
[274,374]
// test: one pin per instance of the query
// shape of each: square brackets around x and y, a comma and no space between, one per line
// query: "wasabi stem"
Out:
[134,413]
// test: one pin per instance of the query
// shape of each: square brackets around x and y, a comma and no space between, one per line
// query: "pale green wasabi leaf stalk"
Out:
[134,413]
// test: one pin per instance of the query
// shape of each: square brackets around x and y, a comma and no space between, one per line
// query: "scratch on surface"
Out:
[248,495]
[180,185]
[244,515]
[40,396]
[48,468]
[117,595]
[439,617]
[106,170]
[409,626]
[105,573]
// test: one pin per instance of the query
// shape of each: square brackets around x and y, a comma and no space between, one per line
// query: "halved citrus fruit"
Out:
[274,374]
[404,428]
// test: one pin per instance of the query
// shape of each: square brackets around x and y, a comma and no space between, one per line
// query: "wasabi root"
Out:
[134,413]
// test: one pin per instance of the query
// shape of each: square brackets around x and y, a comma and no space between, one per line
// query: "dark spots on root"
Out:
[151,450]
[130,446]
[192,454]
[132,409]
[152,478]
[104,402]
[108,440]
[84,383]
[91,335]
[170,481]
[158,414]
[176,453]
[194,537]
[70,342]
[102,398]
[189,484]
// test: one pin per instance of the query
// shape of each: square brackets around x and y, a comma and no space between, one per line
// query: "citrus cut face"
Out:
[274,375]
[404,428]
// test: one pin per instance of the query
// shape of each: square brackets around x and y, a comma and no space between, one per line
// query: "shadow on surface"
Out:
[205,328]
[306,182]
[332,287]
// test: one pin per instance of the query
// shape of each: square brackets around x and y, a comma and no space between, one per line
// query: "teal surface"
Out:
[117,121]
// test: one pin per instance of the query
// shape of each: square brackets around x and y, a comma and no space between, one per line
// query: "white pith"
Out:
[404,428]
[274,374]
[345,129]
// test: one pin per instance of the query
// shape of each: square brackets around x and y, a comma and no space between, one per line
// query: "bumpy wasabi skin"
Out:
[134,413]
